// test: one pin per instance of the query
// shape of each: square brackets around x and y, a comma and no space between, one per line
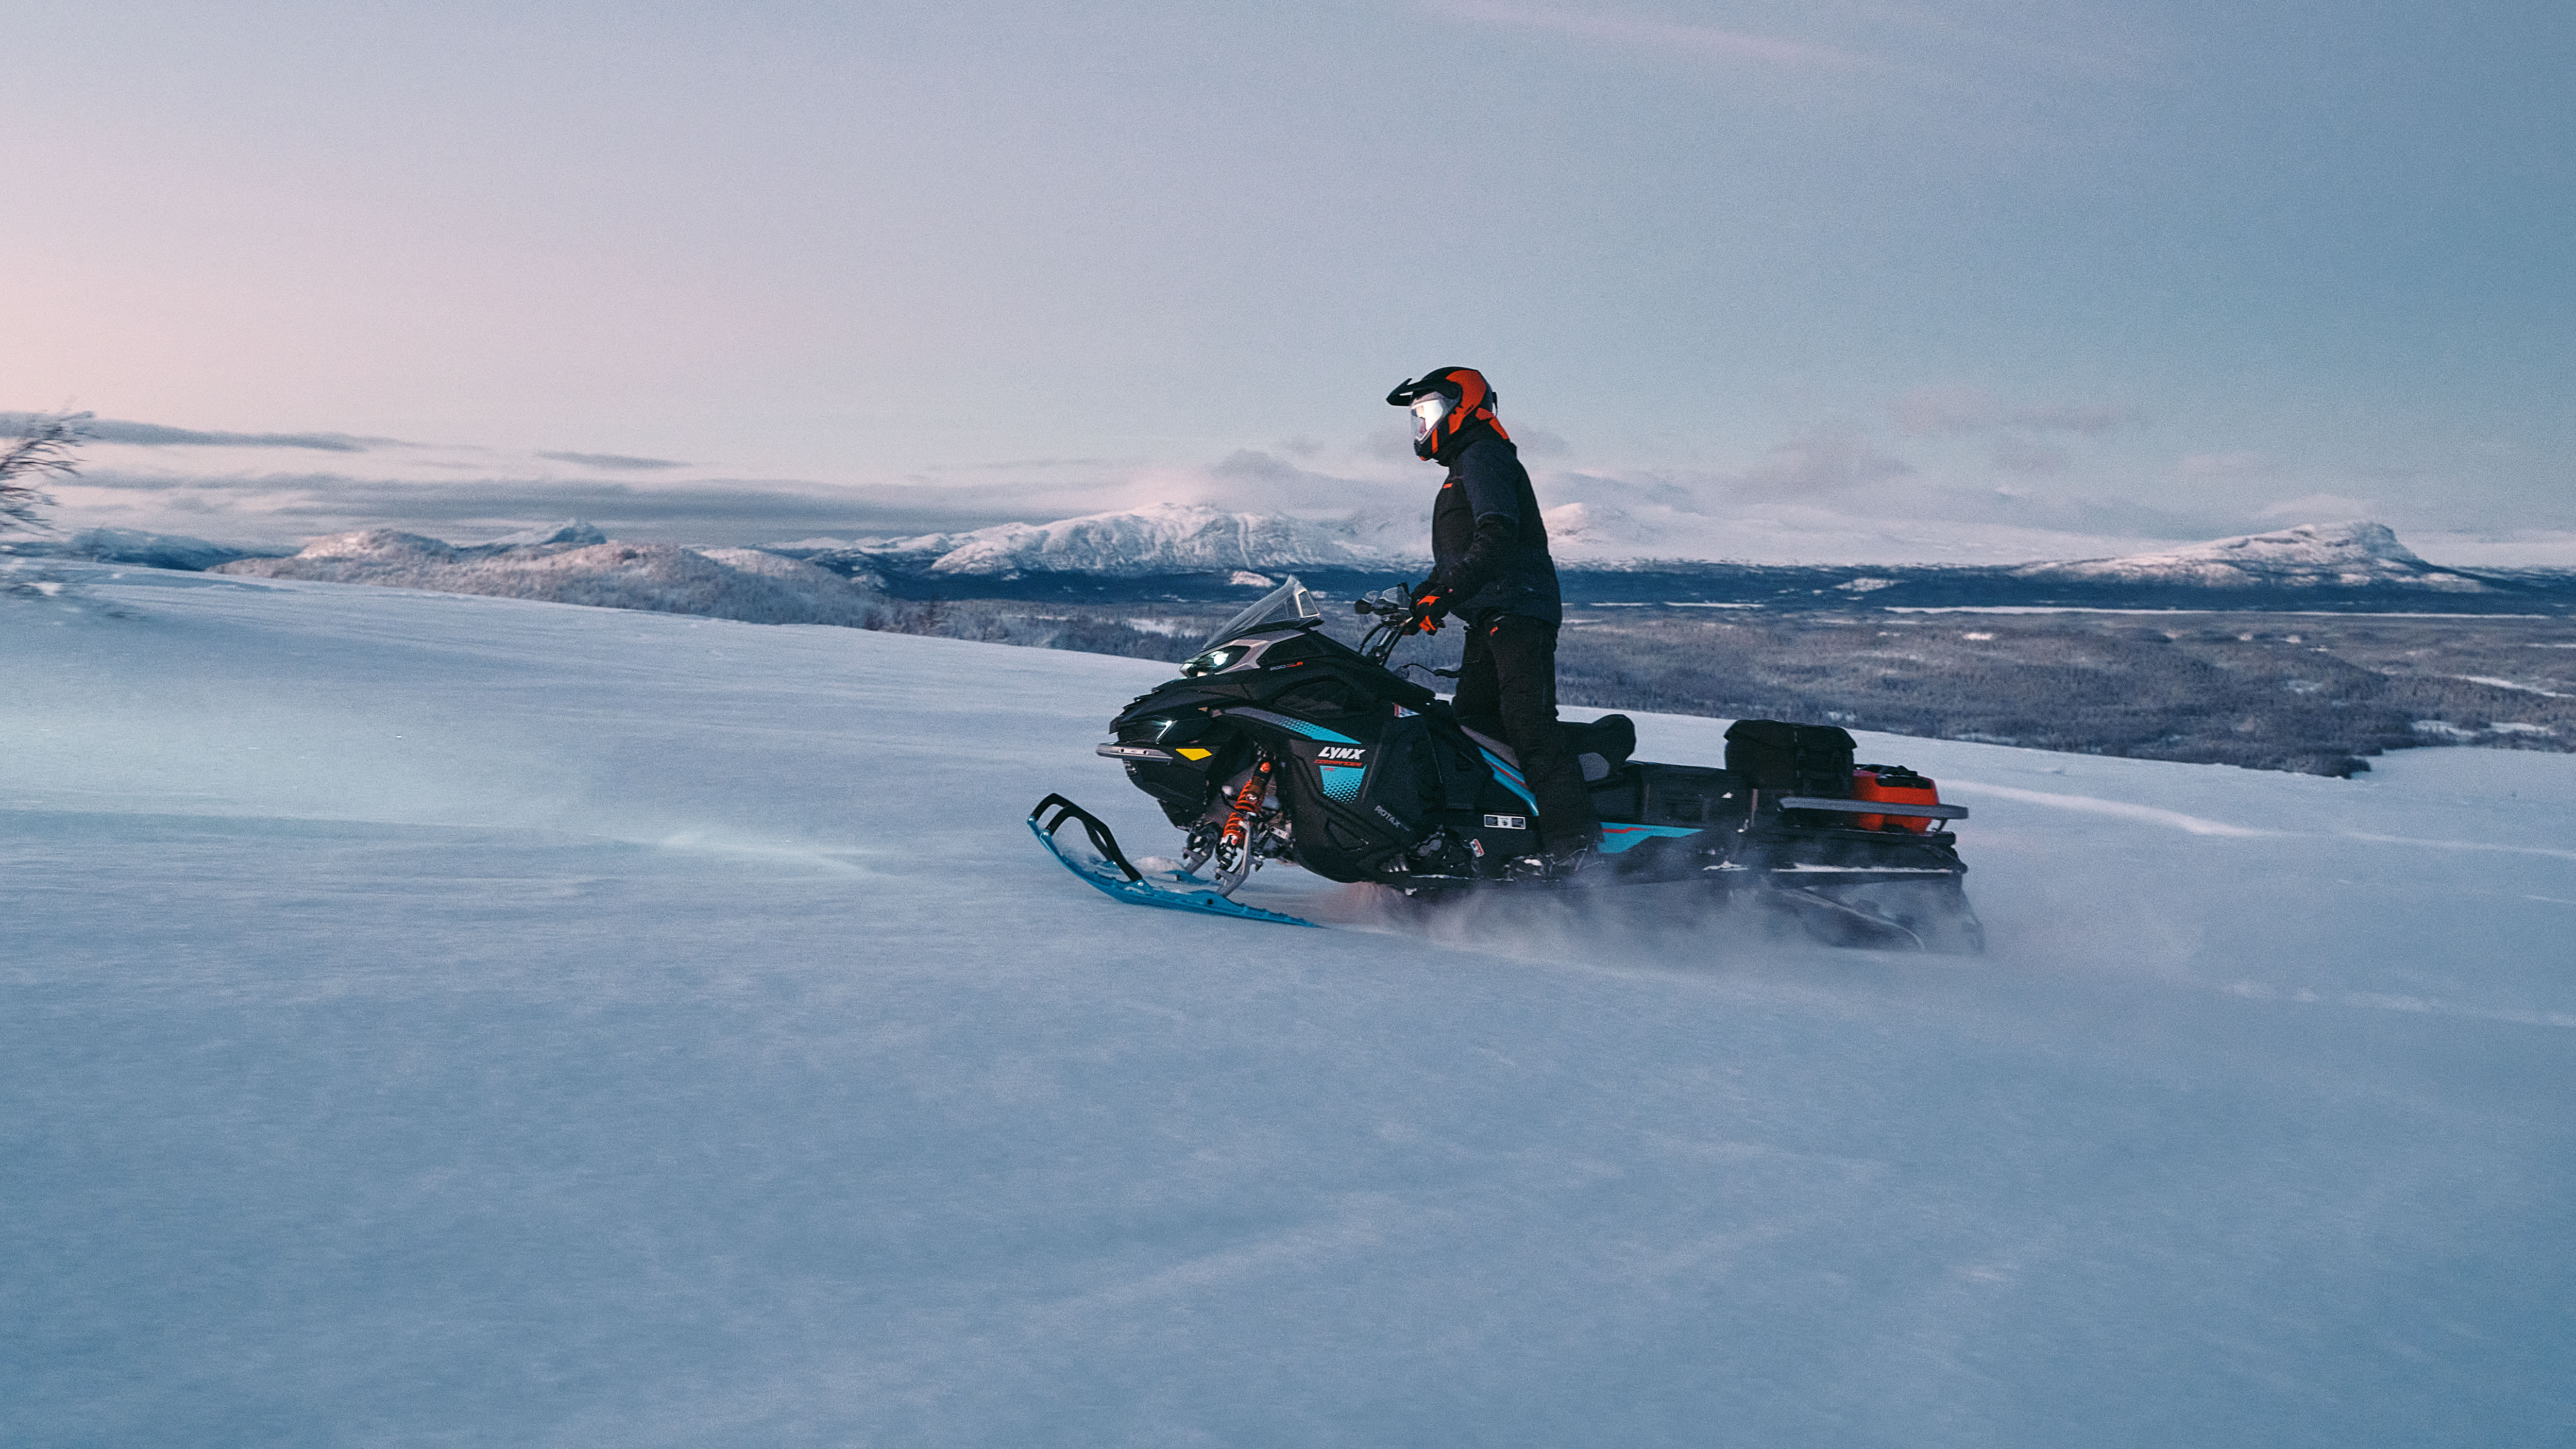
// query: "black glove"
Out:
[1430,606]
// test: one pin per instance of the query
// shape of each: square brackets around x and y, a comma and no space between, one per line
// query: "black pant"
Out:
[1507,687]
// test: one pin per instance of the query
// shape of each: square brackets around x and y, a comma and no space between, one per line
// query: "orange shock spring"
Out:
[1238,821]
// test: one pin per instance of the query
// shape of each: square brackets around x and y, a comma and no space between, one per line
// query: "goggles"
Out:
[1427,413]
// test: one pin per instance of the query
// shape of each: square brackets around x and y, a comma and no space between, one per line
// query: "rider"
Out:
[1491,568]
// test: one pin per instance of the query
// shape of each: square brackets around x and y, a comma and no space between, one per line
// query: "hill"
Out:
[443,1018]
[576,564]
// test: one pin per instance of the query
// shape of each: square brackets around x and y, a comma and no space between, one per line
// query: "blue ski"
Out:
[1115,875]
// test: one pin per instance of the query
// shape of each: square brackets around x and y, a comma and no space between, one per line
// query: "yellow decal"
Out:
[1186,753]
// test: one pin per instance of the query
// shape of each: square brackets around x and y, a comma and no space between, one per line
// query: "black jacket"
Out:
[1488,543]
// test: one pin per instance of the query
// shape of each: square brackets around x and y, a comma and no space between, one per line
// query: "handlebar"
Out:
[1391,615]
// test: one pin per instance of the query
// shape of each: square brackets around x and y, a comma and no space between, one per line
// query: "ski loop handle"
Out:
[1101,838]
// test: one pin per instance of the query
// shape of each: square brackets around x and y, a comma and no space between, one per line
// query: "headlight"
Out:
[1213,660]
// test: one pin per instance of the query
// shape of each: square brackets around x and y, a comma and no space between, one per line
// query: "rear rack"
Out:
[1897,808]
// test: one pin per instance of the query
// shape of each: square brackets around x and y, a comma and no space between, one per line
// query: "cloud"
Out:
[1663,37]
[154,435]
[1259,482]
[1842,472]
[1538,442]
[1020,465]
[1822,460]
[2087,418]
[611,460]
[1251,465]
[2227,465]
[1391,444]
[2321,508]
[1955,409]
[2016,454]
[2097,515]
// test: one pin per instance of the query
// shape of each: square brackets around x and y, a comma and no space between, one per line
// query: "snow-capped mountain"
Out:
[1189,538]
[2356,554]
[1195,538]
[1164,538]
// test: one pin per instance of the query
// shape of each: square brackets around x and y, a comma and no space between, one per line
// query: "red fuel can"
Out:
[1896,785]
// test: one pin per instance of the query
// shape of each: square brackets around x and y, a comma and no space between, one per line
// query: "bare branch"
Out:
[46,445]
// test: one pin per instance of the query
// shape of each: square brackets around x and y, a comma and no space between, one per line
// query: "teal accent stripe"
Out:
[1510,777]
[1616,838]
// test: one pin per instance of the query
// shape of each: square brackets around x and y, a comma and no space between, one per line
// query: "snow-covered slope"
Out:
[2343,555]
[443,1019]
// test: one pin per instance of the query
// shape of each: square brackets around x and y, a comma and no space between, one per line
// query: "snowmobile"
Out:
[1279,743]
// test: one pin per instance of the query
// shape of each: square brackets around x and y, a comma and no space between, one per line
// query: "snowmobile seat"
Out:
[1600,747]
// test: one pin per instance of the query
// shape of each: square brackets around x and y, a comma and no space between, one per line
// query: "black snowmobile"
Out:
[1279,742]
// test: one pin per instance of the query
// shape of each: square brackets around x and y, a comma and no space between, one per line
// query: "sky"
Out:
[1994,274]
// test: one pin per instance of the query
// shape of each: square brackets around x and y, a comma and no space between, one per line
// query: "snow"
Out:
[440,1019]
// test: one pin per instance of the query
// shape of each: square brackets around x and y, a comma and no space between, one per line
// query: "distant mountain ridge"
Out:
[1181,552]
[1175,541]
[140,548]
[576,564]
[1171,539]
[2355,554]
[1162,539]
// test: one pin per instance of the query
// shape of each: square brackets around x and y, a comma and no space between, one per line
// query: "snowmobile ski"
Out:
[1114,875]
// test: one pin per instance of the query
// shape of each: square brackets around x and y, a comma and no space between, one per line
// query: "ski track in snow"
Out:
[434,1019]
[2372,1001]
[2494,845]
[2120,808]
[2198,826]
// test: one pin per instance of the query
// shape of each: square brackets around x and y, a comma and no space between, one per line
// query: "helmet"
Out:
[1447,404]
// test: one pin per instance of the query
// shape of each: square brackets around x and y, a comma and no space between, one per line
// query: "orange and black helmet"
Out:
[1447,404]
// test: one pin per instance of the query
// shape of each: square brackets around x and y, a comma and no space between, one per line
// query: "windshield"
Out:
[1286,606]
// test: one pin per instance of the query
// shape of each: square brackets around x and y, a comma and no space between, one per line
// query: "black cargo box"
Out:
[1779,758]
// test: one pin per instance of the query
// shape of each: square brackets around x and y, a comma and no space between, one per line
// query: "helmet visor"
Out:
[1428,412]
